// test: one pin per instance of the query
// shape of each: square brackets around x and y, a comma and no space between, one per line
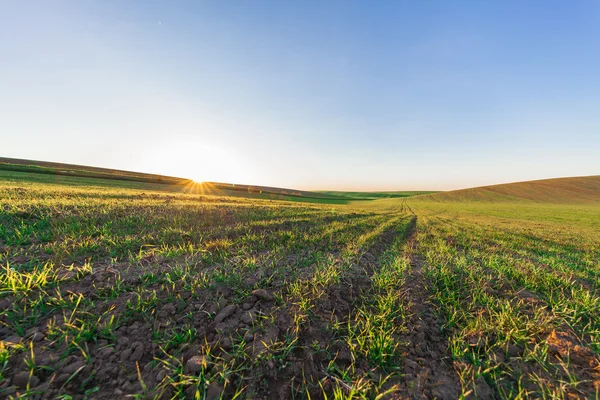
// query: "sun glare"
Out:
[203,162]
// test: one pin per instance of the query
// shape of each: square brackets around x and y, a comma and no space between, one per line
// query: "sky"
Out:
[341,95]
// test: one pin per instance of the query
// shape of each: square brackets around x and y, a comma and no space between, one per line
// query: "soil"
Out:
[123,366]
[427,366]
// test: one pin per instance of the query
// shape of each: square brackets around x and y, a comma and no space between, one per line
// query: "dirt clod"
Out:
[248,317]
[225,313]
[225,343]
[12,341]
[262,294]
[138,351]
[66,275]
[22,379]
[195,364]
[74,367]
[567,346]
[161,375]
[61,379]
[214,391]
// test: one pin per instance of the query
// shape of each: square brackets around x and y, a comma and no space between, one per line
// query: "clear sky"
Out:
[306,94]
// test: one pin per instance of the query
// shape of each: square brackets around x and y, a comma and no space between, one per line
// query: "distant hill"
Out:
[585,189]
[274,190]
[84,171]
[374,195]
[161,182]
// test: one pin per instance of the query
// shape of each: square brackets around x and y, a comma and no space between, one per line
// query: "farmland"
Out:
[129,288]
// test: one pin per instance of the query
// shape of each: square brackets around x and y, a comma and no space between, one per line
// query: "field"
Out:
[123,289]
[68,174]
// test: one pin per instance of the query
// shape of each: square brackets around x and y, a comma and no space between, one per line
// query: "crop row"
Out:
[518,325]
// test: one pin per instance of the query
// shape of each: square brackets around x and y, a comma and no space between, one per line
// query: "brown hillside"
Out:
[585,189]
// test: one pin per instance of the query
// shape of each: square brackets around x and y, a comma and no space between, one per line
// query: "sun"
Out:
[201,161]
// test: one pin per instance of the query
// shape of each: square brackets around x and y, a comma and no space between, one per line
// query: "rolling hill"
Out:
[84,174]
[87,175]
[585,189]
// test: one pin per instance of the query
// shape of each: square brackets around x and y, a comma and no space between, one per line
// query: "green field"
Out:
[18,170]
[115,288]
[375,195]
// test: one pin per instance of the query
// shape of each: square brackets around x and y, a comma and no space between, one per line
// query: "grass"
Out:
[516,283]
[18,170]
[375,195]
[128,288]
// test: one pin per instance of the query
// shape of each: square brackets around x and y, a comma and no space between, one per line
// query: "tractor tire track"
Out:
[427,366]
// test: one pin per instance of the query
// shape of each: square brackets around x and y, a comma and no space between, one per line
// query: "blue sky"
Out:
[307,94]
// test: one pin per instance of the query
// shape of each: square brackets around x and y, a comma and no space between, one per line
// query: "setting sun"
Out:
[200,162]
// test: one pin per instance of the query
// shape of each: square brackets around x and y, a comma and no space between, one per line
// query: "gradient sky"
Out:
[306,94]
